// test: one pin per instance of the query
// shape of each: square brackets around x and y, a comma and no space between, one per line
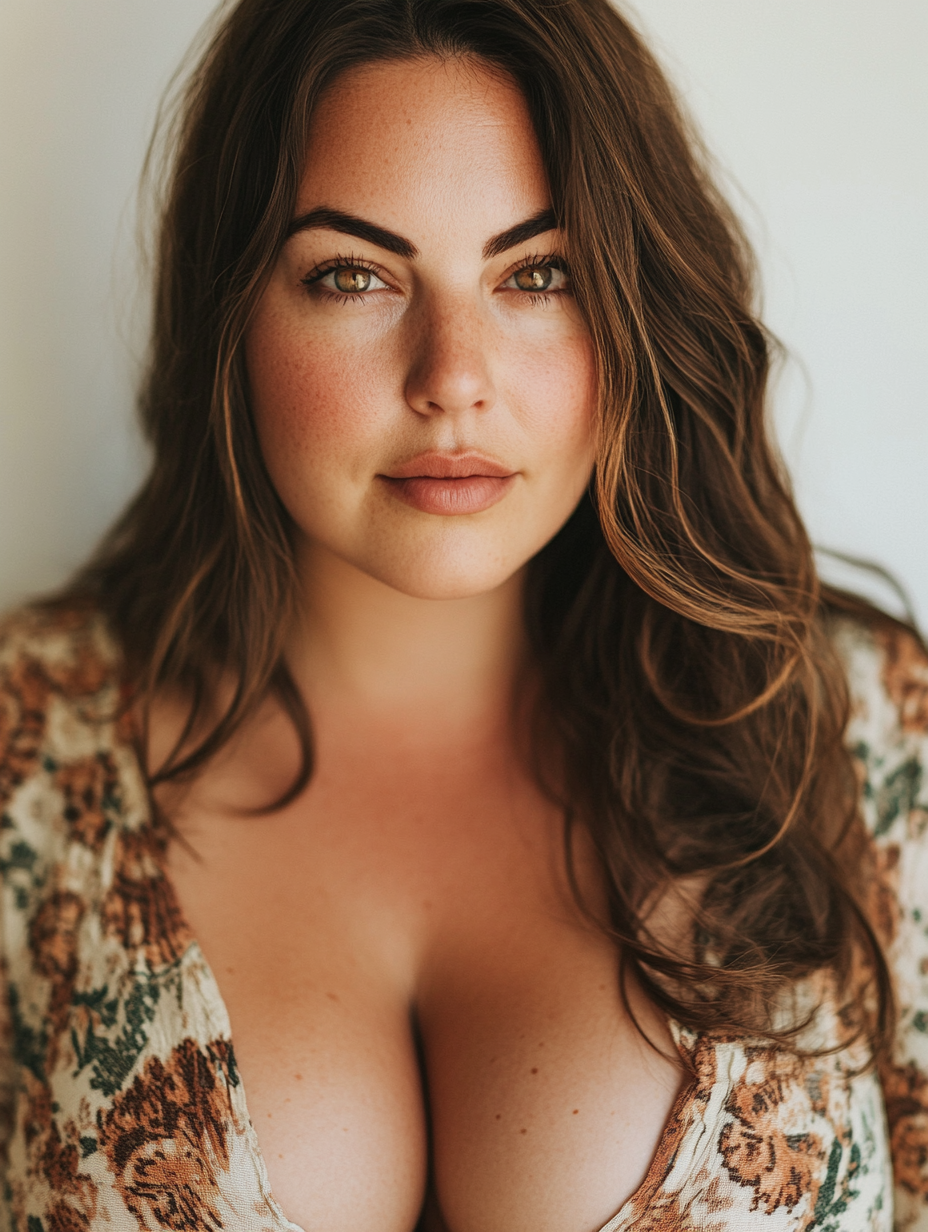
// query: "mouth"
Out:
[450,484]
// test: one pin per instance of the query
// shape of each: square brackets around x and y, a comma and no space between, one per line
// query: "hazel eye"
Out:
[538,279]
[534,279]
[352,281]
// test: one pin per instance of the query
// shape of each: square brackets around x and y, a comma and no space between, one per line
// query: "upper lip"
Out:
[449,466]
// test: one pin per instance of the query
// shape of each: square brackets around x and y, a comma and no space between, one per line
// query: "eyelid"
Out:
[553,259]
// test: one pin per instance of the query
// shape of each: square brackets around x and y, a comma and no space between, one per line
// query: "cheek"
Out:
[315,400]
[556,386]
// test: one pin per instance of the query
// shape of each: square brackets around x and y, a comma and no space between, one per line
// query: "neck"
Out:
[361,643]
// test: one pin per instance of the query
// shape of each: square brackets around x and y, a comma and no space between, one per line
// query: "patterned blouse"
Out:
[120,1103]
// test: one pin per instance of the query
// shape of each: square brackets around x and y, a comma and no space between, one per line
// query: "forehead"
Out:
[415,143]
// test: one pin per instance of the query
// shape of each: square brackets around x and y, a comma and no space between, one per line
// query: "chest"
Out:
[415,1002]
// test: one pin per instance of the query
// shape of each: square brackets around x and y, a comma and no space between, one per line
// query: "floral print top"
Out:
[120,1103]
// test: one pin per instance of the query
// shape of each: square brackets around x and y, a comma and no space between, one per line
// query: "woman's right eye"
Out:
[349,281]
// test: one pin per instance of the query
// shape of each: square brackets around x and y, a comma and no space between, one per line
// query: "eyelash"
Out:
[549,260]
[543,260]
[337,263]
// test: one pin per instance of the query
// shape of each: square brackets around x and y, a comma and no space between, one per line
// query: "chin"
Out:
[444,574]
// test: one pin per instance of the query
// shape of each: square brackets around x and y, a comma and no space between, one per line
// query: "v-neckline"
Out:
[671,1132]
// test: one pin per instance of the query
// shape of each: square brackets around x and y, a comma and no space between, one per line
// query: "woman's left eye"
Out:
[542,279]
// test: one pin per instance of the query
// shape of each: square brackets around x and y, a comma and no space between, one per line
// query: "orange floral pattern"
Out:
[166,1138]
[888,674]
[120,1102]
[759,1150]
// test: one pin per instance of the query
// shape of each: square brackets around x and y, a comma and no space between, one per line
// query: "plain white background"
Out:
[816,110]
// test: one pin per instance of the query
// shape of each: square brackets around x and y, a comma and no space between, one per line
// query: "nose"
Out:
[450,371]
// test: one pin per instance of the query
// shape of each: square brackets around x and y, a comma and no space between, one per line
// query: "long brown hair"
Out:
[679,626]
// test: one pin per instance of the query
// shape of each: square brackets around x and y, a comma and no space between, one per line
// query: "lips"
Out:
[450,484]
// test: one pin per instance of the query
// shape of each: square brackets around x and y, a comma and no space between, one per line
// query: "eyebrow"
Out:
[521,233]
[350,224]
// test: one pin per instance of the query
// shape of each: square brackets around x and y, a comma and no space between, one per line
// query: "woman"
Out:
[455,722]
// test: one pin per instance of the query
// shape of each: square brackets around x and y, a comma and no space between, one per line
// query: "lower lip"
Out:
[472,494]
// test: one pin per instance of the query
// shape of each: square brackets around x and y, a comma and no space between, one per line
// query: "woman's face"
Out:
[421,378]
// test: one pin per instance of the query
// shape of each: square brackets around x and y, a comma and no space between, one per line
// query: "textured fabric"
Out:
[120,1103]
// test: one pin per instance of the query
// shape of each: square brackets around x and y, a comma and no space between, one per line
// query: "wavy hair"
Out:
[690,690]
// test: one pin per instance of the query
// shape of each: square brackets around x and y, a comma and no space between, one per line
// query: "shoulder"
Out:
[888,734]
[71,647]
[887,670]
[65,735]
[59,669]
[887,673]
